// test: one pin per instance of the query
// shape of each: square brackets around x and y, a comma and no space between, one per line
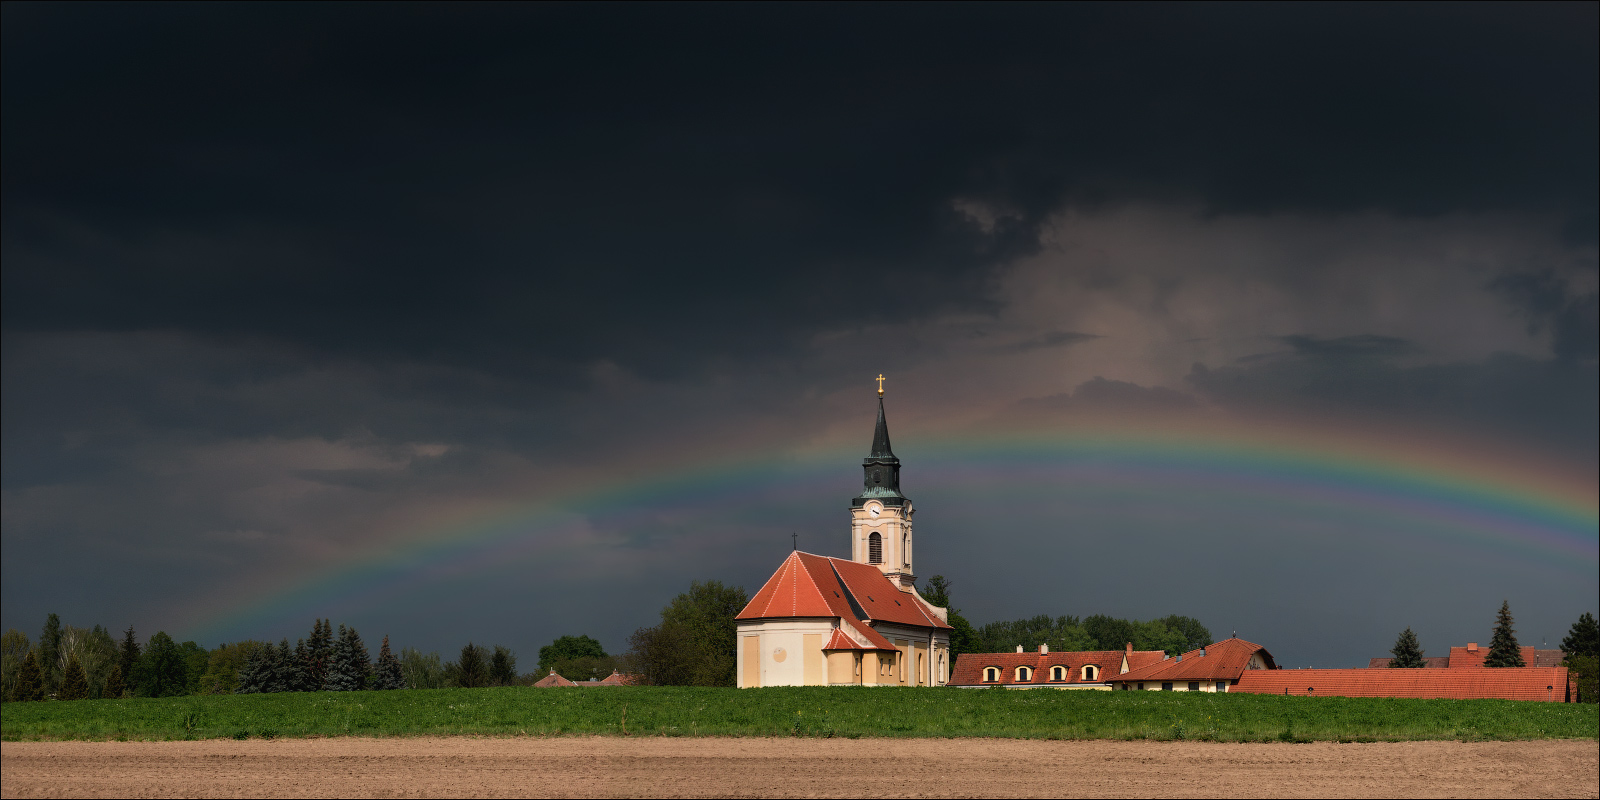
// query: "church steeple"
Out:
[881,515]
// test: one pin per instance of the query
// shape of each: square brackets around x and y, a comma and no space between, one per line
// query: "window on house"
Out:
[1166,686]
[1058,673]
[1194,686]
[1141,687]
[991,674]
[1222,686]
[1091,673]
[1024,674]
[875,549]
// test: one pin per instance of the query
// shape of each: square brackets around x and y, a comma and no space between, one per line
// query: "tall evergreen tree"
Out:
[502,666]
[301,671]
[162,670]
[74,682]
[277,662]
[115,687]
[1503,648]
[49,654]
[471,671]
[256,672]
[128,659]
[351,664]
[320,648]
[29,684]
[388,674]
[1407,651]
[1584,637]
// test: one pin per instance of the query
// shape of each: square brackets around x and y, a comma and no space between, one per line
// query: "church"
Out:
[857,621]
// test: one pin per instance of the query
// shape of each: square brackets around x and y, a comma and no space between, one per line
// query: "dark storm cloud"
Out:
[1100,394]
[531,186]
[1050,339]
[1572,318]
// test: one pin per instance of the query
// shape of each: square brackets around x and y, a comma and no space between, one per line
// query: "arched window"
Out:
[991,674]
[1024,674]
[875,548]
[1058,673]
[1091,673]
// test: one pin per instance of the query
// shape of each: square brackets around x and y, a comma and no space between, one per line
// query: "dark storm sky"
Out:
[280,278]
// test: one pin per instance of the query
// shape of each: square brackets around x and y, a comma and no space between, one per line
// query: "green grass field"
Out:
[848,712]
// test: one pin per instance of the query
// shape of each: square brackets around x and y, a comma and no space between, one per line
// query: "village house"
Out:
[1217,667]
[1088,669]
[825,621]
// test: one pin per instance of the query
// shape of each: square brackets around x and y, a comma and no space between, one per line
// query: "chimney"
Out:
[1202,652]
[1044,649]
[1019,648]
[1180,656]
[1130,647]
[1472,647]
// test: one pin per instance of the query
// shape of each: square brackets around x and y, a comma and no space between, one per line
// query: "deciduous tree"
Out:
[568,648]
[14,647]
[694,644]
[1503,648]
[422,670]
[115,688]
[963,638]
[1407,651]
[161,671]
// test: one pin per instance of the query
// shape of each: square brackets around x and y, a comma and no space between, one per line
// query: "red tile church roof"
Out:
[1526,683]
[1224,660]
[808,585]
[553,680]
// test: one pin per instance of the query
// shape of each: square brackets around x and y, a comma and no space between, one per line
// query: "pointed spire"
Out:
[880,437]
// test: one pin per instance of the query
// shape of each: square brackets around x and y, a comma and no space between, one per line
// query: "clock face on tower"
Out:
[874,511]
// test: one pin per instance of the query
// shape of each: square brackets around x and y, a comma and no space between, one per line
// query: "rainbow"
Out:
[1472,497]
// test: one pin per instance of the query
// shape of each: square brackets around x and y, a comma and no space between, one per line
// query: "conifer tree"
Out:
[277,672]
[49,654]
[502,666]
[257,671]
[74,682]
[471,672]
[388,674]
[1503,648]
[115,687]
[29,686]
[351,664]
[1583,639]
[301,669]
[320,647]
[1407,652]
[128,659]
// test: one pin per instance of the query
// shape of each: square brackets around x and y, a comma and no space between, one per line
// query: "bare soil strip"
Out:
[659,767]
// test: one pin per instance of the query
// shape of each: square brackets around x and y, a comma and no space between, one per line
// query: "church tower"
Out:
[881,516]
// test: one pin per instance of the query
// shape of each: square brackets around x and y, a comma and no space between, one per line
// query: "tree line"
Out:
[1173,634]
[1581,649]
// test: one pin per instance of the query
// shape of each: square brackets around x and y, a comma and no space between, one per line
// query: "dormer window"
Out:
[1024,674]
[1091,672]
[991,674]
[1058,673]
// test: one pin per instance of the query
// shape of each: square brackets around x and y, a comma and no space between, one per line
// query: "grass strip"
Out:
[800,711]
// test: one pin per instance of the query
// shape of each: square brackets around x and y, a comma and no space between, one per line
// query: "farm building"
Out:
[1213,668]
[1472,656]
[1046,670]
[824,621]
[1508,683]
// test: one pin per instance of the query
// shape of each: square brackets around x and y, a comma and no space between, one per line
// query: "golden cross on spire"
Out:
[880,384]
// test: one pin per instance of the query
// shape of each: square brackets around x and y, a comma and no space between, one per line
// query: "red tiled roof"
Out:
[843,641]
[807,585]
[1224,660]
[970,666]
[1461,657]
[1428,662]
[1526,683]
[618,679]
[553,680]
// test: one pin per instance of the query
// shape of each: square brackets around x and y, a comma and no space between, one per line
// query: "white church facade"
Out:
[825,621]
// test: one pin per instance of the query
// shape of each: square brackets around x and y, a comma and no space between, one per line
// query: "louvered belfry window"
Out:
[875,549]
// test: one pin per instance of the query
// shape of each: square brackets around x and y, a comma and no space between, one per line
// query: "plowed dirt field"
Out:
[612,767]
